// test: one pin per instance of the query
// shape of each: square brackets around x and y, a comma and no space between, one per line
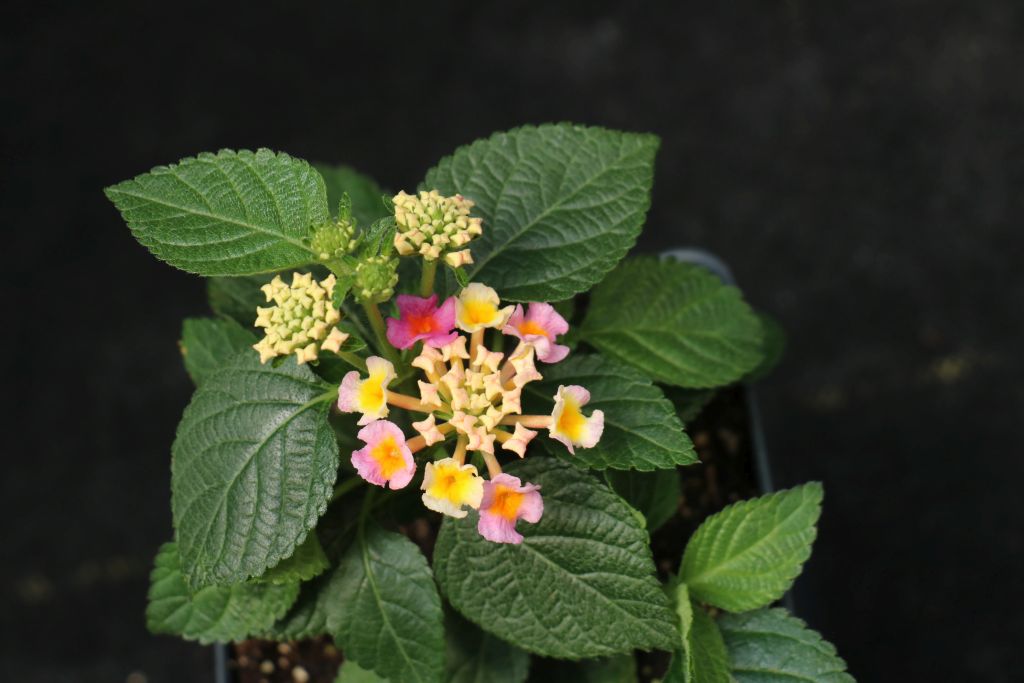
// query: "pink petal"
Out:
[497,529]
[548,318]
[348,392]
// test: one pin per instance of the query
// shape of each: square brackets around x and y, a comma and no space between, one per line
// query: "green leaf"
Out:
[350,672]
[641,430]
[209,343]
[561,205]
[212,614]
[773,345]
[771,646]
[689,402]
[238,297]
[676,322]
[701,656]
[388,614]
[363,191]
[230,213]
[252,468]
[582,582]
[748,555]
[655,494]
[306,562]
[475,655]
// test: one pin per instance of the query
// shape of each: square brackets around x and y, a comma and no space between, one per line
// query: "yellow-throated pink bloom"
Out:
[538,327]
[478,307]
[505,501]
[568,423]
[386,459]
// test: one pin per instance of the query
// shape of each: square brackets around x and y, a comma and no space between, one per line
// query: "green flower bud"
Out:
[375,279]
[333,240]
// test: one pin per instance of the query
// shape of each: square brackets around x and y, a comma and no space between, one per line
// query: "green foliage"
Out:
[676,322]
[561,205]
[237,297]
[350,672]
[773,346]
[474,655]
[207,343]
[306,562]
[363,191]
[580,585]
[641,430]
[230,213]
[252,468]
[700,656]
[771,646]
[215,613]
[655,494]
[388,615]
[747,555]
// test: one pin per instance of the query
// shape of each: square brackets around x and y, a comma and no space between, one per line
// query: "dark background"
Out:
[859,165]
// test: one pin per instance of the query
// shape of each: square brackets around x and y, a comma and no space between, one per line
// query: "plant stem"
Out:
[377,323]
[427,278]
[346,486]
[353,360]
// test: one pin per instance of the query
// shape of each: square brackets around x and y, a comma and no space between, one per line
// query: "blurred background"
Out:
[859,165]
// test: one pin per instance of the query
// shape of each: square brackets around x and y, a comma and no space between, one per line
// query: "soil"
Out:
[721,436]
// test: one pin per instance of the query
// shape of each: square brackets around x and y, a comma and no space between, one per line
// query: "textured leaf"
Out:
[363,191]
[306,562]
[388,615]
[580,585]
[641,430]
[561,204]
[676,322]
[350,672]
[655,494]
[208,343]
[230,213]
[252,468]
[700,656]
[747,555]
[238,297]
[212,614]
[474,655]
[771,646]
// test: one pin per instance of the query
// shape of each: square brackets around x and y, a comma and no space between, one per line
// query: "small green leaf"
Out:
[306,562]
[379,238]
[641,430]
[676,322]
[363,192]
[252,468]
[748,555]
[230,213]
[582,582]
[773,345]
[561,205]
[655,494]
[215,613]
[475,655]
[350,672]
[771,646]
[209,343]
[461,276]
[388,616]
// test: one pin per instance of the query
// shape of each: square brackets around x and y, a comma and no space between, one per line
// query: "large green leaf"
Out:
[388,614]
[641,429]
[252,468]
[364,192]
[214,613]
[771,646]
[474,655]
[237,297]
[748,555]
[581,584]
[655,494]
[230,213]
[561,205]
[350,672]
[700,656]
[677,322]
[308,561]
[208,343]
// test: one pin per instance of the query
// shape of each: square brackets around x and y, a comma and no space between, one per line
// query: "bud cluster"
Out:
[375,278]
[302,320]
[432,225]
[333,240]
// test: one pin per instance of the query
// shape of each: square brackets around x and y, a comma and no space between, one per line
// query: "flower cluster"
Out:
[301,321]
[472,395]
[431,225]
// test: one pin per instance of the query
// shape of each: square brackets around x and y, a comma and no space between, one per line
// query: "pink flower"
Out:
[418,319]
[538,328]
[505,501]
[568,423]
[385,460]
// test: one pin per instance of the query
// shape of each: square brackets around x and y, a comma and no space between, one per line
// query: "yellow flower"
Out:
[301,321]
[477,308]
[448,487]
[367,396]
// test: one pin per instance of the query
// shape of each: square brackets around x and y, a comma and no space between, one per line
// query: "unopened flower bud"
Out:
[333,240]
[375,278]
[430,224]
[301,321]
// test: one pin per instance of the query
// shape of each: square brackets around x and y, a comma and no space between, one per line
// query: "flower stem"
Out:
[353,360]
[493,468]
[377,323]
[427,278]
[346,486]
[460,450]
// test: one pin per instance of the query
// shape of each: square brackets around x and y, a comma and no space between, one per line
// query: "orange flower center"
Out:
[530,327]
[506,502]
[389,456]
[421,324]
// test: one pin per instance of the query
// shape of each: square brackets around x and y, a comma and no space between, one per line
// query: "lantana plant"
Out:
[441,425]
